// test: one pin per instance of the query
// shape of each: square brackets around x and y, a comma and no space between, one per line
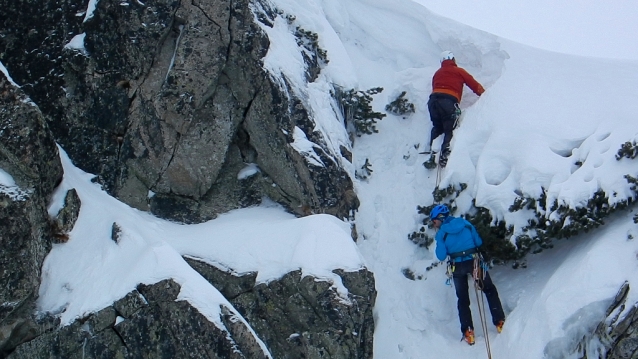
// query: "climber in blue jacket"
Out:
[458,239]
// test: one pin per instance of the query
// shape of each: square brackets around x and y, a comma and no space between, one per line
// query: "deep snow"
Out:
[541,113]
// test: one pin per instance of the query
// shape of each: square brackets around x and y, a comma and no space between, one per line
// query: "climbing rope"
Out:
[478,275]
[438,178]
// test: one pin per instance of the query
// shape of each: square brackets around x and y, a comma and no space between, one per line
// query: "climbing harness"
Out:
[449,272]
[480,267]
[456,115]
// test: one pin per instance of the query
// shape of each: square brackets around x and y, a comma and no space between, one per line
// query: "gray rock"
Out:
[156,327]
[27,150]
[615,337]
[130,304]
[68,215]
[29,154]
[171,97]
[241,334]
[228,283]
[32,40]
[166,106]
[622,335]
[15,332]
[304,317]
[116,233]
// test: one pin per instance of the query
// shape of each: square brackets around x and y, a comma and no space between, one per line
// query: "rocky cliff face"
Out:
[147,323]
[167,101]
[303,317]
[29,155]
[307,320]
[289,318]
[616,337]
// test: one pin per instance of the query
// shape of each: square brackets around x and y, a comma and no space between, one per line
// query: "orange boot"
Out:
[499,326]
[469,336]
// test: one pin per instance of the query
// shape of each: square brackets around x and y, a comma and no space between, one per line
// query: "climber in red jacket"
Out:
[447,89]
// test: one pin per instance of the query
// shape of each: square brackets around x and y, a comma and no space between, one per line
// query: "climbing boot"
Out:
[430,164]
[499,326]
[469,337]
[443,157]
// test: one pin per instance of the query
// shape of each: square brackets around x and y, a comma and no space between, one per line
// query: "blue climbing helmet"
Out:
[439,210]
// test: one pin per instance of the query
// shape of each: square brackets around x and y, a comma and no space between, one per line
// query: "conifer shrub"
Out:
[420,238]
[432,266]
[540,232]
[365,171]
[497,247]
[314,56]
[550,220]
[627,150]
[310,41]
[357,110]
[565,222]
[408,273]
[400,106]
[440,194]
[634,183]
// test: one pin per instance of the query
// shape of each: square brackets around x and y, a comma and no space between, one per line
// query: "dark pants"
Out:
[442,109]
[461,270]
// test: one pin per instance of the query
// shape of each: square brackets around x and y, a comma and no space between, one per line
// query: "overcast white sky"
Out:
[585,27]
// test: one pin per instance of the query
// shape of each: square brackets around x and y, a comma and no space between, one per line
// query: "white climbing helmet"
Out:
[447,55]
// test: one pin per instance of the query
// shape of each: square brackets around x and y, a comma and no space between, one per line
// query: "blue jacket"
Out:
[461,236]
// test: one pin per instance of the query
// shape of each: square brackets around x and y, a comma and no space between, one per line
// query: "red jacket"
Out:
[449,79]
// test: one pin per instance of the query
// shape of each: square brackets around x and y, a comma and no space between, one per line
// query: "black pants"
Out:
[442,109]
[461,270]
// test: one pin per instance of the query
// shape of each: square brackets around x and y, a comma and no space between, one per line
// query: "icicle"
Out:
[170,66]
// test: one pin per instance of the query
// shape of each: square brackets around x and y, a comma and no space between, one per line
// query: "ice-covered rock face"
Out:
[171,97]
[603,329]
